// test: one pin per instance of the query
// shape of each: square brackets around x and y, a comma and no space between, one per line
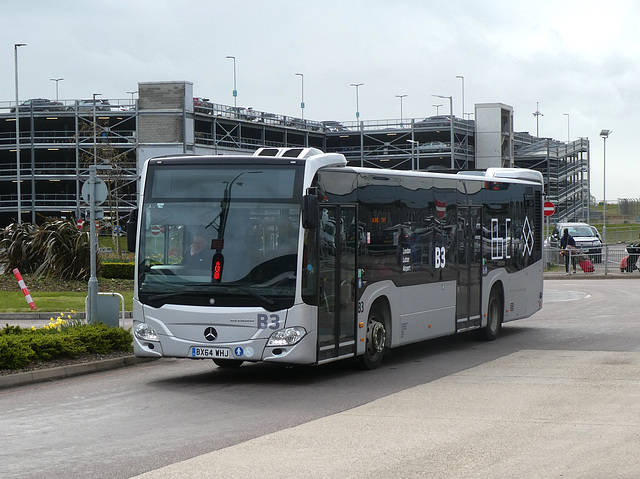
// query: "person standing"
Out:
[568,246]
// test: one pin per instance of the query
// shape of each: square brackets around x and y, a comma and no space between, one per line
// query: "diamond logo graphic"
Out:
[527,235]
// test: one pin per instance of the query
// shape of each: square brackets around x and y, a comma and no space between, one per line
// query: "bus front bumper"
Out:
[149,344]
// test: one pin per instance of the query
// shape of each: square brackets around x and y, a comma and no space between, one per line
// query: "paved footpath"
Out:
[532,414]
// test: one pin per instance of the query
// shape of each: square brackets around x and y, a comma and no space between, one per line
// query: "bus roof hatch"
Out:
[288,152]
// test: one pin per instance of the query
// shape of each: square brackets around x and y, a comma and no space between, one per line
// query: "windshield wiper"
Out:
[157,297]
[264,299]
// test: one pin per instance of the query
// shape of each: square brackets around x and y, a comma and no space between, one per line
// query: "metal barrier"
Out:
[108,309]
[607,262]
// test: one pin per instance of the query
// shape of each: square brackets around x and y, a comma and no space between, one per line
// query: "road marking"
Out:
[557,296]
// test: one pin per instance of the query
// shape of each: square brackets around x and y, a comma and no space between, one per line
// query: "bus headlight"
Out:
[145,332]
[287,336]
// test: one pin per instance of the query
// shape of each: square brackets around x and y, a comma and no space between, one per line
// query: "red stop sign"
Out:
[549,208]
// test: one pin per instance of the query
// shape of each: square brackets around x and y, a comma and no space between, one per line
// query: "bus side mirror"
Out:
[310,218]
[132,228]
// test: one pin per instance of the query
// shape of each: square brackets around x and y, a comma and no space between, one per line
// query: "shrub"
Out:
[14,353]
[117,270]
[20,346]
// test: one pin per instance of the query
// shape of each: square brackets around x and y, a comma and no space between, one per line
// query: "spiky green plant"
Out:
[55,249]
[16,247]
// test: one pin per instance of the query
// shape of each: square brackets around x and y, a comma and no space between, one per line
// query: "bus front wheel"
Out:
[494,316]
[376,341]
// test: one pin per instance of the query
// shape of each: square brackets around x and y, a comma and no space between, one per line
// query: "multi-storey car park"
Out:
[60,140]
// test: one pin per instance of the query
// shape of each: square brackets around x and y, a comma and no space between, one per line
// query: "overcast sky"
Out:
[578,57]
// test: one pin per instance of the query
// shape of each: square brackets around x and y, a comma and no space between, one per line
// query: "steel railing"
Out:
[607,262]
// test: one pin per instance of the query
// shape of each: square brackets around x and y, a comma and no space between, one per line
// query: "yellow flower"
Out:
[33,328]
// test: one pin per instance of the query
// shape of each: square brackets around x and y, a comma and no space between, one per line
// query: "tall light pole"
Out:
[568,132]
[19,191]
[56,80]
[450,126]
[462,78]
[537,114]
[95,139]
[357,85]
[437,108]
[235,90]
[604,134]
[302,97]
[401,97]
[132,93]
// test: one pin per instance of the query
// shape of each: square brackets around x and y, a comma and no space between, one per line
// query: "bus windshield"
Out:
[219,236]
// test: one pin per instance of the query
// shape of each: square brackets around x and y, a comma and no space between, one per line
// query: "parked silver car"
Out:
[587,238]
[88,105]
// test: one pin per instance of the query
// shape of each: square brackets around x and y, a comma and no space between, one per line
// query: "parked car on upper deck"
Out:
[202,105]
[333,126]
[242,112]
[435,121]
[88,105]
[39,104]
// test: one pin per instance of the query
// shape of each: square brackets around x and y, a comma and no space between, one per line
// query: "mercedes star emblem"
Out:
[210,334]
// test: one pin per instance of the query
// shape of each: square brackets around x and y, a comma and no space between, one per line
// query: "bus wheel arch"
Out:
[495,312]
[378,334]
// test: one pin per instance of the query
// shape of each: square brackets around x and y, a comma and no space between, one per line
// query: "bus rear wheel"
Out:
[376,341]
[494,317]
[228,363]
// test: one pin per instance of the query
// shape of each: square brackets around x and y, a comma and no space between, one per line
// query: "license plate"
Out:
[197,352]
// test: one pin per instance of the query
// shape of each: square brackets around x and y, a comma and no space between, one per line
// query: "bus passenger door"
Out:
[468,296]
[337,281]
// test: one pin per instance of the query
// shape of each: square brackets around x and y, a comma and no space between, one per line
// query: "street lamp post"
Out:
[357,85]
[437,108]
[56,80]
[604,134]
[462,78]
[306,136]
[302,97]
[132,93]
[95,139]
[568,132]
[450,126]
[537,114]
[235,90]
[401,97]
[19,191]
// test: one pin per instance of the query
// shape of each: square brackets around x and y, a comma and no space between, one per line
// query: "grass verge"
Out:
[51,295]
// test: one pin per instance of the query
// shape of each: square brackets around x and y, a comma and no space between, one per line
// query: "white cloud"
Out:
[576,57]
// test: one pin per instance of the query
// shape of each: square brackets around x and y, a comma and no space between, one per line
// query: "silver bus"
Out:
[291,256]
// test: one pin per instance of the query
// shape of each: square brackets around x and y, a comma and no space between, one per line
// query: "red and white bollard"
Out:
[25,291]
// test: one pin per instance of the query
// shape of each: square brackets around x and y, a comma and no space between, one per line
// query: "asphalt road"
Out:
[462,407]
